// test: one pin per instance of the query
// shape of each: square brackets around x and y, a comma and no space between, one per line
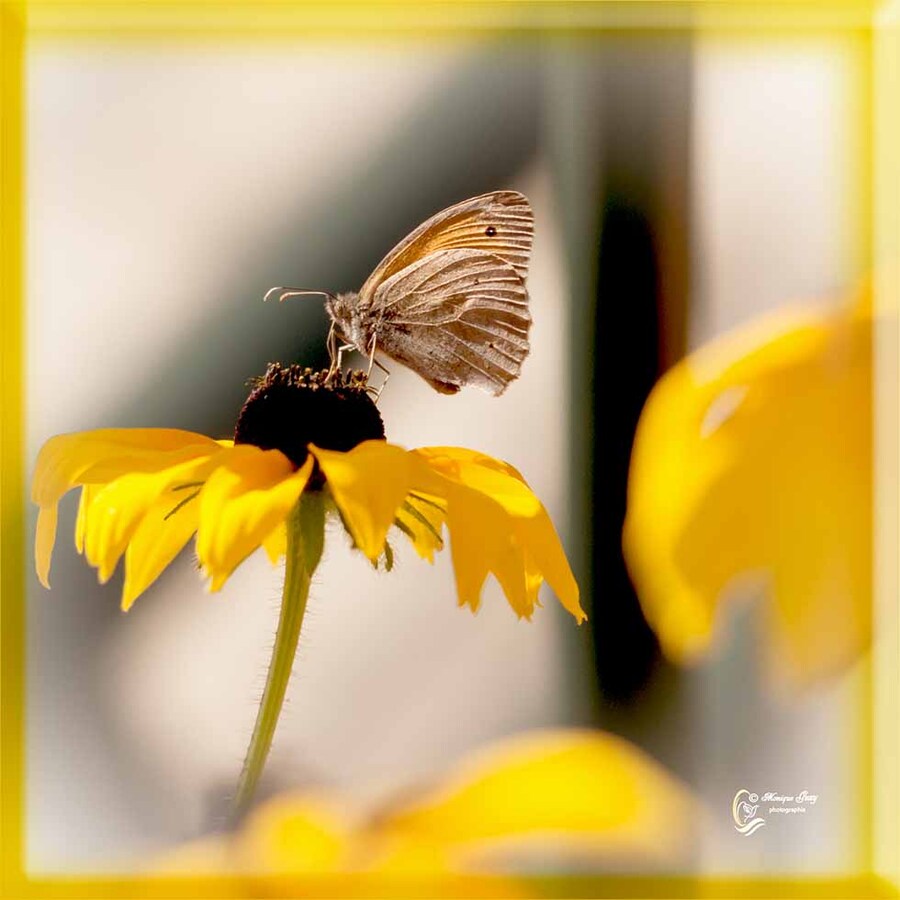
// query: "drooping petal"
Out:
[96,457]
[545,553]
[422,519]
[566,790]
[104,454]
[84,501]
[482,542]
[275,543]
[240,505]
[483,474]
[448,456]
[753,459]
[533,581]
[114,513]
[163,531]
[44,539]
[529,537]
[369,484]
[116,509]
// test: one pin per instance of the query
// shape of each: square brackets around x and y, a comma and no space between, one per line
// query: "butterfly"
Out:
[449,301]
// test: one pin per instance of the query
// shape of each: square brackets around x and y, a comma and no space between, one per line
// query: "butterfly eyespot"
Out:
[490,231]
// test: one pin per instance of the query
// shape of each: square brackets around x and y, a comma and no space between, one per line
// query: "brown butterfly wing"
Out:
[500,223]
[455,317]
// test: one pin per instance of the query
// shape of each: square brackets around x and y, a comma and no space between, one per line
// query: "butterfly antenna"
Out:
[286,292]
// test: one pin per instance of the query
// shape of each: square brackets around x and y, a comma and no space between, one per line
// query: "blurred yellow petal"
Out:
[547,795]
[166,527]
[752,460]
[566,790]
[240,505]
[309,845]
[296,833]
[369,485]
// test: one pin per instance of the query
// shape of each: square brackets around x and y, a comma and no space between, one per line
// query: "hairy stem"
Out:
[305,537]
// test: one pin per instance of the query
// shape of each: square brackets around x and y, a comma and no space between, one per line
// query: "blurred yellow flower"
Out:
[752,465]
[538,801]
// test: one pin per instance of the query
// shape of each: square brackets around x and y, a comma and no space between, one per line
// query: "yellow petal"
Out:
[422,519]
[533,581]
[44,540]
[484,474]
[241,503]
[529,538]
[568,789]
[369,485]
[163,531]
[99,456]
[482,541]
[295,833]
[547,557]
[68,460]
[84,501]
[117,508]
[753,460]
[275,543]
[448,456]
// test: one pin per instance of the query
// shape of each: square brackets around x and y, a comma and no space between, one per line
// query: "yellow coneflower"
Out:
[306,444]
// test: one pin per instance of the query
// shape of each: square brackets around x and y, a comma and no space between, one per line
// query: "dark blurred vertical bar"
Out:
[641,295]
[619,117]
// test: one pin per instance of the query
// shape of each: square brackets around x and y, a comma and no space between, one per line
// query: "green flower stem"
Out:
[305,538]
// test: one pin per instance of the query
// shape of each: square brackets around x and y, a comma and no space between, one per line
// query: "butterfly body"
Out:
[344,312]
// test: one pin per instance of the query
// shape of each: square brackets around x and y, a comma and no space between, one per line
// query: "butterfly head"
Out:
[343,309]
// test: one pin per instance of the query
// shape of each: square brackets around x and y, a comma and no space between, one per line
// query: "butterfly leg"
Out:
[331,344]
[372,358]
[374,362]
[337,356]
[377,391]
[383,384]
[341,351]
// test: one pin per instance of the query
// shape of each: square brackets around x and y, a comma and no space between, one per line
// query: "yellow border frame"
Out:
[220,20]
